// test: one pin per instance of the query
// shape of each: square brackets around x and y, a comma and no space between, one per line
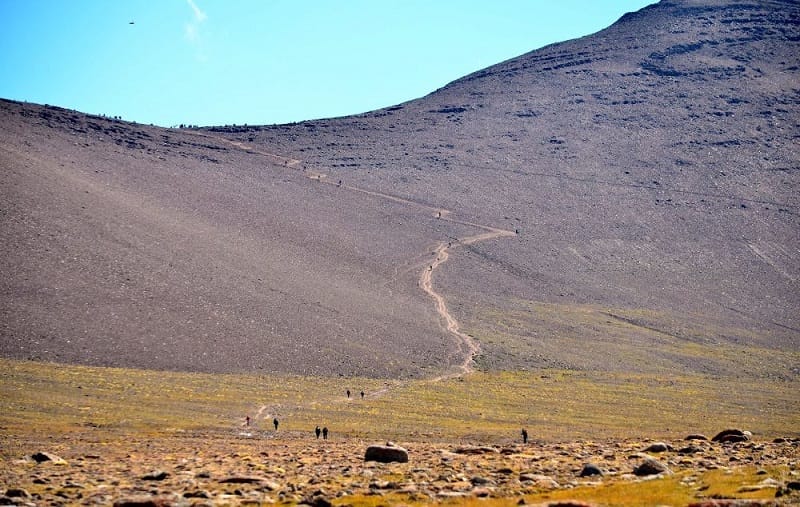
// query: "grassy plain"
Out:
[483,407]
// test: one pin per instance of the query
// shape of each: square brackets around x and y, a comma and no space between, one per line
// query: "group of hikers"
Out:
[275,423]
[317,430]
[324,430]
[348,394]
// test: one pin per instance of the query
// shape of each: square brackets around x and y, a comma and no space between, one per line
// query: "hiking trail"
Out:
[467,345]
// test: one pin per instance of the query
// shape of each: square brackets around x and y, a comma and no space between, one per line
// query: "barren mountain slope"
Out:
[139,246]
[650,169]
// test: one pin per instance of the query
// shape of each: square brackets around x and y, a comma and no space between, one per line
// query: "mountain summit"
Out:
[623,201]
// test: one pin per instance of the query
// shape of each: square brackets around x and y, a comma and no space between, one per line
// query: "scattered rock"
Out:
[271,485]
[17,493]
[767,483]
[196,494]
[650,466]
[689,449]
[41,457]
[386,454]
[383,485]
[542,481]
[451,494]
[732,503]
[477,450]
[481,492]
[731,435]
[143,501]
[696,436]
[155,475]
[318,501]
[788,489]
[590,469]
[480,481]
[297,471]
[240,479]
[568,503]
[658,447]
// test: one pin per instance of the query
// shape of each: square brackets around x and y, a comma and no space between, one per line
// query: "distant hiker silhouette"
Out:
[275,422]
[524,436]
[348,394]
[340,183]
[247,421]
[362,395]
[325,433]
[317,431]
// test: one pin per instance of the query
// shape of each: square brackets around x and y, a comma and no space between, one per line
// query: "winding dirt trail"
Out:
[467,346]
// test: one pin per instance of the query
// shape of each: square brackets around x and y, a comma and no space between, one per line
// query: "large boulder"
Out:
[590,469]
[386,454]
[155,475]
[658,447]
[41,457]
[732,435]
[650,466]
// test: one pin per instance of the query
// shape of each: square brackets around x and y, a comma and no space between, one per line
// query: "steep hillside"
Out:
[650,171]
[139,246]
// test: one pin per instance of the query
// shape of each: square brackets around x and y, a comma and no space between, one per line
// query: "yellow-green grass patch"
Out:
[483,407]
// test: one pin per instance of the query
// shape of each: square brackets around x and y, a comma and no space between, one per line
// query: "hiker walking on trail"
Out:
[247,421]
[524,436]
[348,394]
[325,433]
[275,422]
[362,395]
[317,431]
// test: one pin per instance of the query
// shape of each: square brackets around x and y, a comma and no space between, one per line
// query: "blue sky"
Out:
[213,62]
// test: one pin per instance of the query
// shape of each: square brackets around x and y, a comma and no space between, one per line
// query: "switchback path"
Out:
[467,345]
